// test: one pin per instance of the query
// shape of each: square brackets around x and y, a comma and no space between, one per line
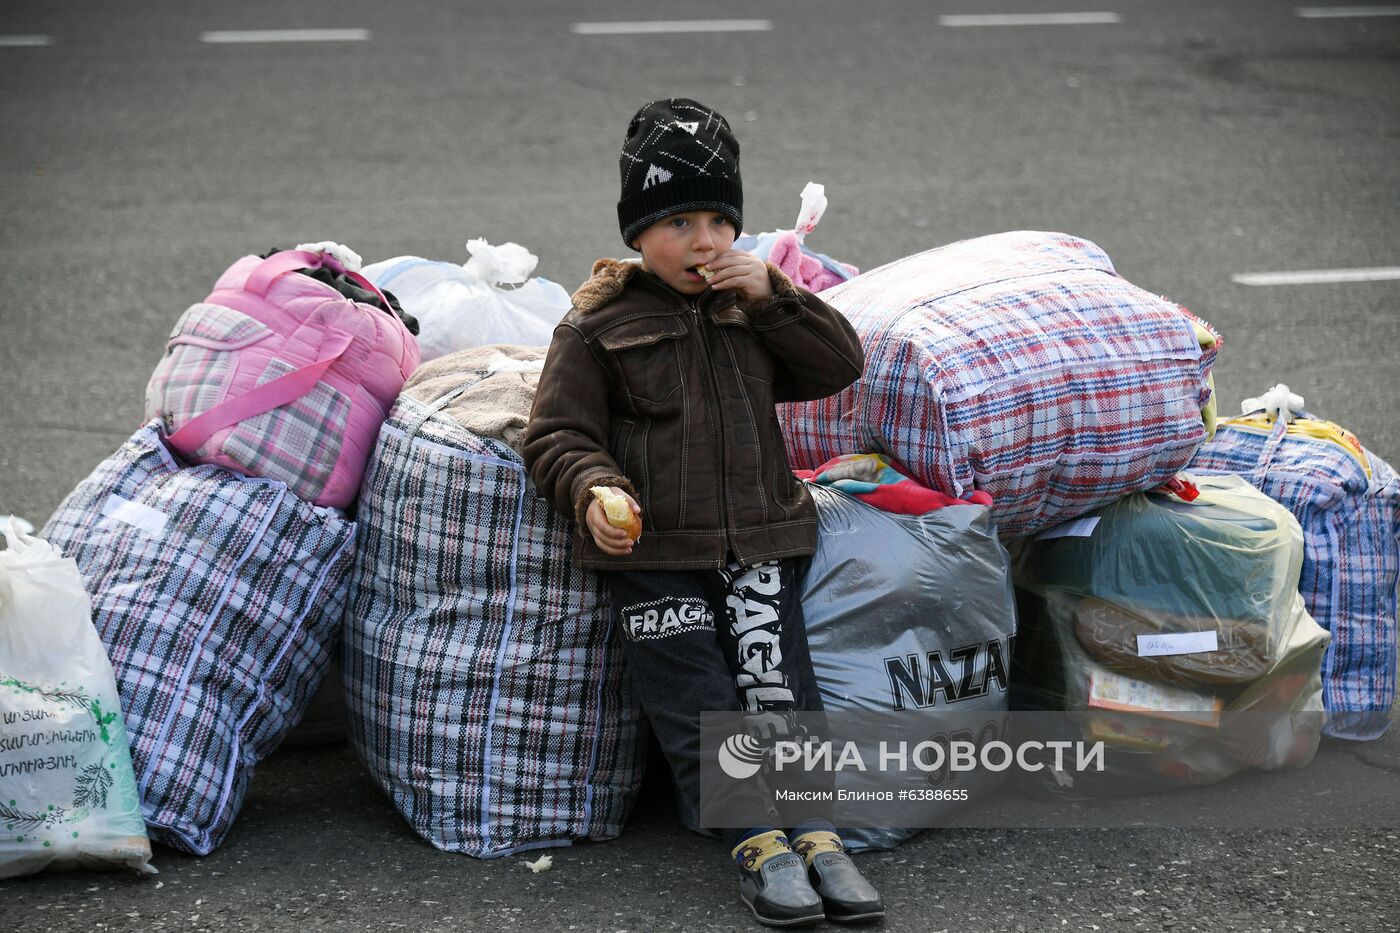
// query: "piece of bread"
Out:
[705,273]
[618,510]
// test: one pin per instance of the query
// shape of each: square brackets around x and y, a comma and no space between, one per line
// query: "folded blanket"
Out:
[1110,633]
[497,404]
[874,480]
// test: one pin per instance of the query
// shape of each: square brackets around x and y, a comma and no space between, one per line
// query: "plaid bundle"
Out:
[1019,364]
[484,682]
[217,598]
[1348,501]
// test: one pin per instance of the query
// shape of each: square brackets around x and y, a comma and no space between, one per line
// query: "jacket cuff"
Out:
[598,476]
[784,307]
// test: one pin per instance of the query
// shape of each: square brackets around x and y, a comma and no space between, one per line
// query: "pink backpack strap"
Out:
[279,264]
[264,398]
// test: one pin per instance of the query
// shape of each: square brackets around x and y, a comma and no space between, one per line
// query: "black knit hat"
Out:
[679,156]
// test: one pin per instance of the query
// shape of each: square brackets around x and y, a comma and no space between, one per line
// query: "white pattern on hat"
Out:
[655,176]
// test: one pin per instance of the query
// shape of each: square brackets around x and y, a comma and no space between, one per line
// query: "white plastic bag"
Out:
[813,207]
[491,298]
[68,796]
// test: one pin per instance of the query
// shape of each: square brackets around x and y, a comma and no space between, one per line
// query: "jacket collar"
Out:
[607,280]
[610,277]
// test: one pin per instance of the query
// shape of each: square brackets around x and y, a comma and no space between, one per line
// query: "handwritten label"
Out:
[1154,646]
[1075,528]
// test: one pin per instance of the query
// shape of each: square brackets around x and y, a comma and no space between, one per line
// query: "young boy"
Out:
[660,385]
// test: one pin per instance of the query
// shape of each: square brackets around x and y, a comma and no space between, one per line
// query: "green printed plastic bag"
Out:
[68,796]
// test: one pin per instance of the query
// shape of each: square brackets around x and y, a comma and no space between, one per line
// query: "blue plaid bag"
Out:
[483,679]
[1348,501]
[218,598]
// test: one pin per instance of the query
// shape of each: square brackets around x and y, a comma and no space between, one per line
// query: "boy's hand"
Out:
[741,272]
[612,541]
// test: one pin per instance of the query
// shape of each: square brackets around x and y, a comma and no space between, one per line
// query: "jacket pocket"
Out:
[750,358]
[785,486]
[647,354]
[620,445]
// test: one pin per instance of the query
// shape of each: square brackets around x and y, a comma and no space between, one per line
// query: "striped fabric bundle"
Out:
[484,682]
[218,598]
[1019,364]
[1348,501]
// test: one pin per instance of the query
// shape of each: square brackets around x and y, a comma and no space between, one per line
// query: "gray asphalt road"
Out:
[1194,141]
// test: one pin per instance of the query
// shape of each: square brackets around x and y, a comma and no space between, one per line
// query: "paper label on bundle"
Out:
[1075,528]
[1111,691]
[1155,646]
[152,521]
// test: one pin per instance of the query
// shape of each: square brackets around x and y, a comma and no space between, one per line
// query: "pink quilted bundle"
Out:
[278,375]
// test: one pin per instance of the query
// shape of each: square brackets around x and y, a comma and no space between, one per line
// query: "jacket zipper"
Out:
[719,420]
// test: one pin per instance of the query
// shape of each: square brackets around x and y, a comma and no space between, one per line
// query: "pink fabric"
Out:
[288,261]
[804,270]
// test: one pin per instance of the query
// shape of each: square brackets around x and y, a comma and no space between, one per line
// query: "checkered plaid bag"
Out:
[1348,501]
[218,598]
[1019,364]
[483,678]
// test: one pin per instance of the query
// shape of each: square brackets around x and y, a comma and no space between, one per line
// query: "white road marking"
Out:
[286,35]
[640,27]
[1029,19]
[24,41]
[1346,12]
[1318,276]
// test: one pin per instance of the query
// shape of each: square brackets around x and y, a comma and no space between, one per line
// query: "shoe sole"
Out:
[858,918]
[783,921]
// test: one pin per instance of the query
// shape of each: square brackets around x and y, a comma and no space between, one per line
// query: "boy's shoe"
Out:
[773,882]
[846,896]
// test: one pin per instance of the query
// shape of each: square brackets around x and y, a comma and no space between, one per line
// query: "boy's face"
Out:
[673,246]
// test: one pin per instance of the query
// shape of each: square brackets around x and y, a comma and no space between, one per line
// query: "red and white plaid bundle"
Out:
[1018,364]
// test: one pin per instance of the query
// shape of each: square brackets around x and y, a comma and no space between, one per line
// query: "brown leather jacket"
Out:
[672,399]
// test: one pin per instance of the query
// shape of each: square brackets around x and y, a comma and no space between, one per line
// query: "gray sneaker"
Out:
[779,893]
[846,895]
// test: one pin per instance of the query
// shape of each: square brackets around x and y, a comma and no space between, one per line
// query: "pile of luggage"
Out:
[215,543]
[1022,366]
[304,489]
